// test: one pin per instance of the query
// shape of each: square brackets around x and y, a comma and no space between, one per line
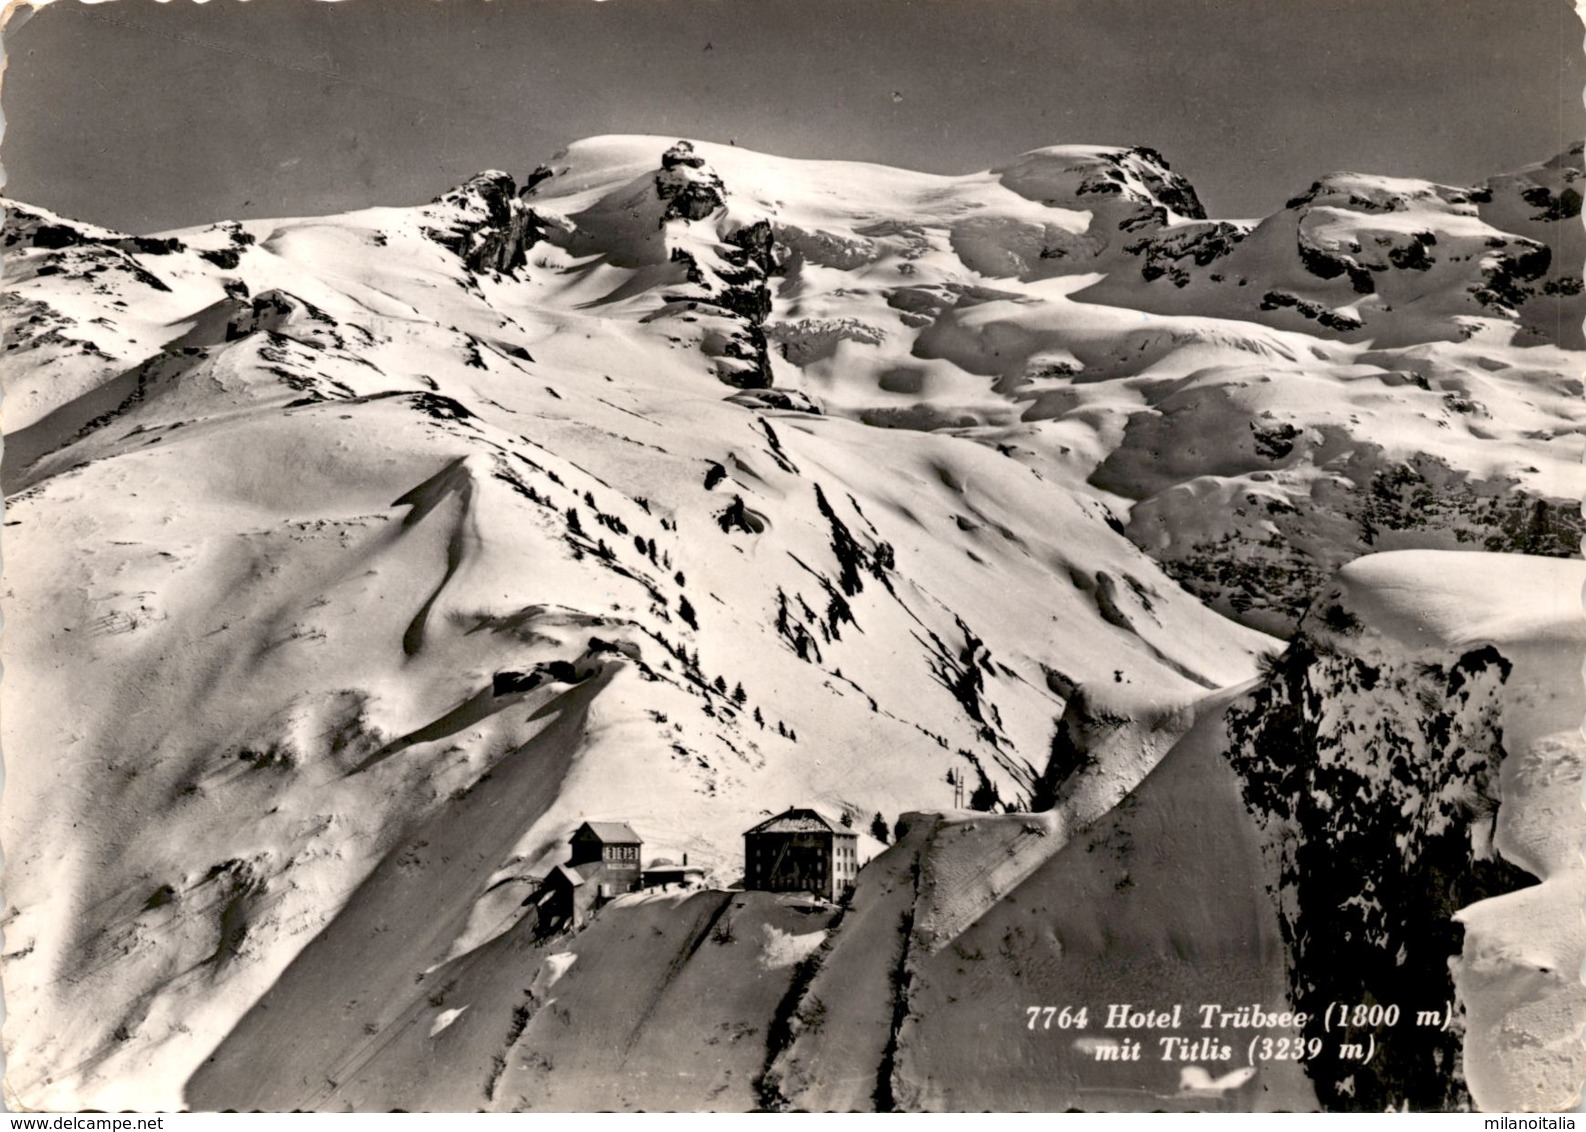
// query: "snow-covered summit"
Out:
[1062,175]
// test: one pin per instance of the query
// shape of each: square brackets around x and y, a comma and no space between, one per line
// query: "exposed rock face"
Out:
[1355,256]
[287,315]
[1137,177]
[813,339]
[731,273]
[29,227]
[1340,239]
[533,181]
[492,229]
[1134,201]
[755,260]
[1374,777]
[784,400]
[745,365]
[690,188]
[87,249]
[1543,202]
[1162,254]
[1260,554]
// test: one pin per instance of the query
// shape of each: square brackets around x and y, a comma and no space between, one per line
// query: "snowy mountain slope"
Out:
[1302,839]
[372,553]
[1397,786]
[337,522]
[663,1003]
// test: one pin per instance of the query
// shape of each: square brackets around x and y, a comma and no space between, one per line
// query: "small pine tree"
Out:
[720,685]
[686,612]
[781,729]
[758,718]
[573,522]
[984,796]
[678,578]
[793,736]
[878,829]
[738,694]
[589,498]
[837,611]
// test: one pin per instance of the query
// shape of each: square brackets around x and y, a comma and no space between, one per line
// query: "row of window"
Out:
[844,864]
[846,856]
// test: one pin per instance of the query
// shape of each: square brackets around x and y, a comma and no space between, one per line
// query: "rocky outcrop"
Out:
[284,314]
[809,340]
[690,188]
[730,273]
[1506,280]
[1258,545]
[541,174]
[487,224]
[1373,772]
[1354,256]
[88,250]
[1143,190]
[1543,202]
[782,400]
[1202,244]
[29,227]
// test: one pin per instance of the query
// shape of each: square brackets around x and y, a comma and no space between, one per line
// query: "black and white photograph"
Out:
[793,556]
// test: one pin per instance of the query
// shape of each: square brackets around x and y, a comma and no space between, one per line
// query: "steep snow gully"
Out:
[1183,613]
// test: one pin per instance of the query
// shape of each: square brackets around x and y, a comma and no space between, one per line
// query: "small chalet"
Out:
[606,854]
[562,900]
[604,863]
[799,850]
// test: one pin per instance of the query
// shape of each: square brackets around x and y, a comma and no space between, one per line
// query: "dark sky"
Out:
[145,116]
